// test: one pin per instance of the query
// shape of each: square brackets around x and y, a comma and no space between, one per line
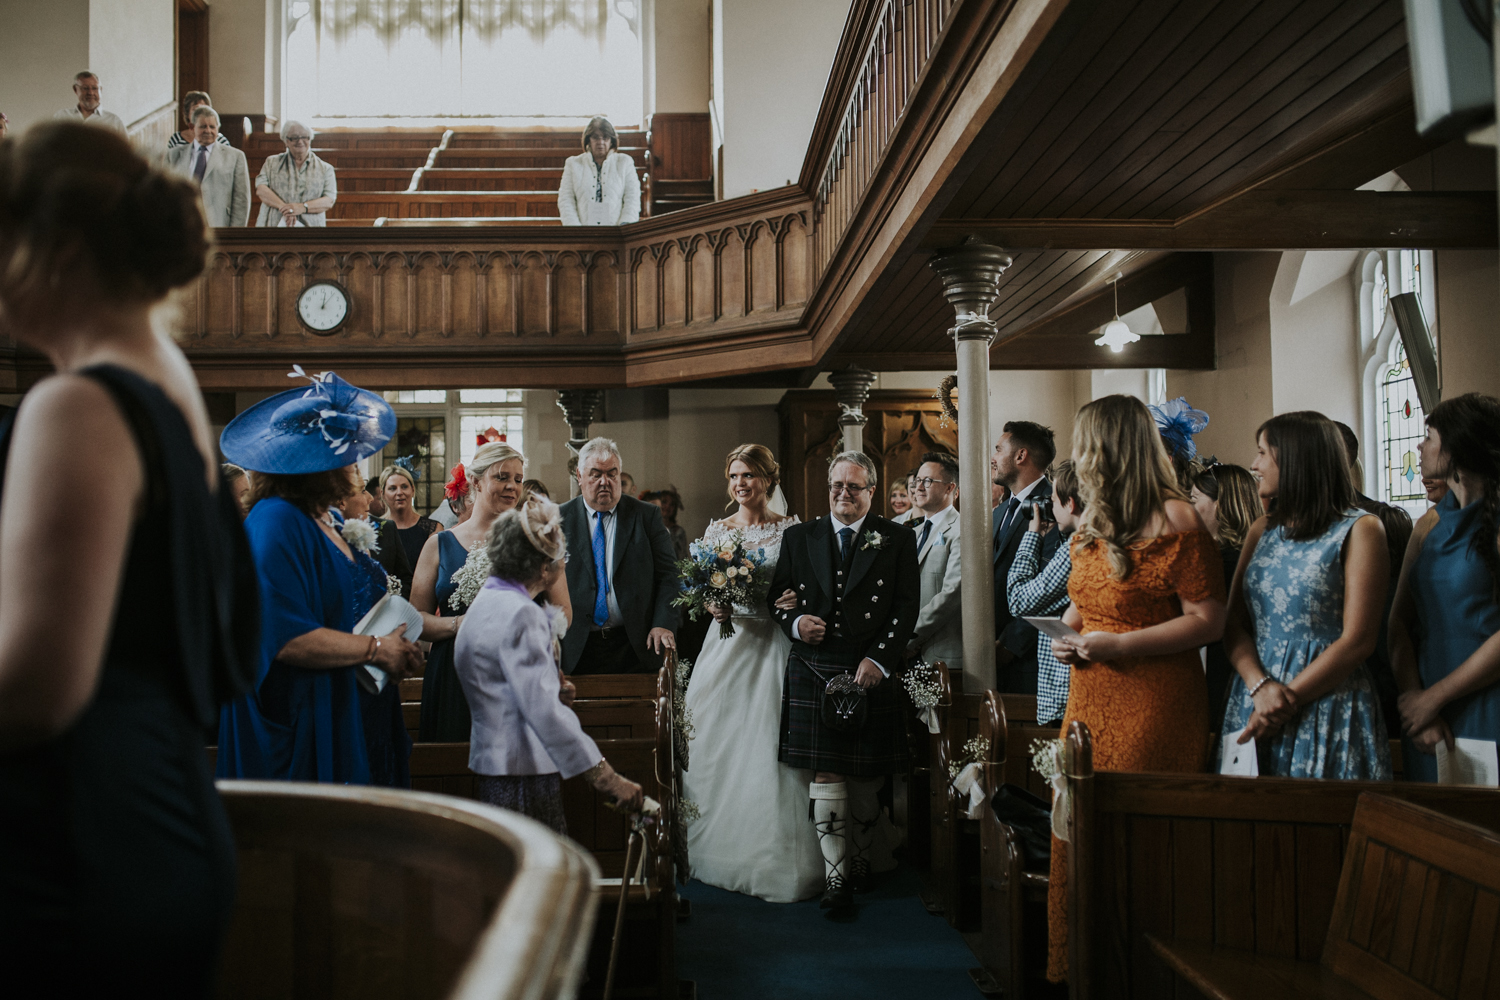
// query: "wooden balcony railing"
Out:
[886,49]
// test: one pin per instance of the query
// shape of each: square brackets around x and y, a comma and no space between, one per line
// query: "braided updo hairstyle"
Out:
[85,221]
[1469,429]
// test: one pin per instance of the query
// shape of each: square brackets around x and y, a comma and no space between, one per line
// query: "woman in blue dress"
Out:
[302,720]
[495,476]
[1445,628]
[1305,611]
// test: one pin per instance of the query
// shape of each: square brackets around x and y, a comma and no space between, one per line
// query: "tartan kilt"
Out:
[878,749]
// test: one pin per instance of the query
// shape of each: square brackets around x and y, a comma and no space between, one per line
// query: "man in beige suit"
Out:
[939,630]
[220,171]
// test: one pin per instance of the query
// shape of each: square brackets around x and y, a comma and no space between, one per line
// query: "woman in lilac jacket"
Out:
[524,740]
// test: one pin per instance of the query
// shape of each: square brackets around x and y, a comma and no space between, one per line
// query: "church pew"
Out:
[610,702]
[491,179]
[443,204]
[351,179]
[954,873]
[380,894]
[1012,945]
[511,221]
[1415,915]
[1244,863]
[551,156]
[530,138]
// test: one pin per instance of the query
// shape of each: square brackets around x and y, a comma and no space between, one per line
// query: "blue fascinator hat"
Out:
[328,425]
[1178,423]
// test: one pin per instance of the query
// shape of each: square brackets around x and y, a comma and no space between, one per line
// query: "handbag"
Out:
[845,705]
[1031,821]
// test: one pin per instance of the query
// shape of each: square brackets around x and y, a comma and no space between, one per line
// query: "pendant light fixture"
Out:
[1116,333]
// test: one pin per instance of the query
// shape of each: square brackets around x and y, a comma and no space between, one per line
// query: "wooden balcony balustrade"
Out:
[456,304]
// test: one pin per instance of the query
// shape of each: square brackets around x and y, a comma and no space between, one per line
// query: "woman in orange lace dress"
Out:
[1148,589]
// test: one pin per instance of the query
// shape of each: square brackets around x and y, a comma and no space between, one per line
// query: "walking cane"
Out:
[650,809]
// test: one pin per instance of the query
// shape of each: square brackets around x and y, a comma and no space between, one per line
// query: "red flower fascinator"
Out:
[458,486]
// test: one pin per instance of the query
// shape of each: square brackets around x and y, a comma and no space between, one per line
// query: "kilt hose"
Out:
[878,749]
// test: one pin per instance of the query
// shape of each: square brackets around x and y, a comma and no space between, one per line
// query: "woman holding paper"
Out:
[1445,625]
[302,721]
[1147,590]
[1306,604]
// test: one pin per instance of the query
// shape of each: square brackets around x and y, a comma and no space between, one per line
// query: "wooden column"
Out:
[579,407]
[851,387]
[971,281]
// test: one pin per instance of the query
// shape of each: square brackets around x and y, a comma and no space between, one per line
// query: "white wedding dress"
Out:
[752,834]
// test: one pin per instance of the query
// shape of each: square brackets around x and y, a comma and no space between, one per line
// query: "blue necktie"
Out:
[601,573]
[201,165]
[926,530]
[844,536]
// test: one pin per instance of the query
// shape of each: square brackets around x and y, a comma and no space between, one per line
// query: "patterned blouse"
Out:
[314,180]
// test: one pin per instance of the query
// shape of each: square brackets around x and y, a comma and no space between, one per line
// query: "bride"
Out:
[752,833]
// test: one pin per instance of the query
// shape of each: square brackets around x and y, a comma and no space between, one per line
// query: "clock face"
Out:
[323,307]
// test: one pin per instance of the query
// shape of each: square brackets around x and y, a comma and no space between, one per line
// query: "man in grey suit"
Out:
[220,171]
[1021,458]
[939,632]
[621,573]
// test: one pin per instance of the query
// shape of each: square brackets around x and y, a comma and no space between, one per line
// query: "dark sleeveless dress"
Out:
[117,868]
[445,710]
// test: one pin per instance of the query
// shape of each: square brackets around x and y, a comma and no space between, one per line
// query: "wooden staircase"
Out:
[481,176]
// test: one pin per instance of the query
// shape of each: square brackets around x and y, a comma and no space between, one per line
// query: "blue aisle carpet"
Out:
[736,946]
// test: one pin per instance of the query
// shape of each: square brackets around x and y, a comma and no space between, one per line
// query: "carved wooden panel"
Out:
[460,297]
[901,425]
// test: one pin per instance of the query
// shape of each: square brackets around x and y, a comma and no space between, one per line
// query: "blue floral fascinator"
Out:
[328,425]
[1179,423]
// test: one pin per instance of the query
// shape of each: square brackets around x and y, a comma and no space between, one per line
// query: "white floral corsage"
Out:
[557,620]
[873,540]
[360,534]
[469,579]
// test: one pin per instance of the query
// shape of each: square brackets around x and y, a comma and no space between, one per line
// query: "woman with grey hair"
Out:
[496,475]
[525,739]
[599,185]
[296,188]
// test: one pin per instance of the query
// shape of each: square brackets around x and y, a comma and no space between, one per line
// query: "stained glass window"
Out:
[420,445]
[1402,427]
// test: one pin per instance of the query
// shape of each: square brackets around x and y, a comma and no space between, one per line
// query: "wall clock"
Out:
[323,307]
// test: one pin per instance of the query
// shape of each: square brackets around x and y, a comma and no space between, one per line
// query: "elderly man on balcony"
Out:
[296,188]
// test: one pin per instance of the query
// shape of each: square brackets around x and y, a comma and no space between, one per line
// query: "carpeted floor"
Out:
[890,947]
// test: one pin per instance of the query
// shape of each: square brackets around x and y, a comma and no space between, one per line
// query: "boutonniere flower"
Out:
[873,540]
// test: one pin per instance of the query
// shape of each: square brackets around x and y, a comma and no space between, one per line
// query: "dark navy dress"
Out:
[117,868]
[445,710]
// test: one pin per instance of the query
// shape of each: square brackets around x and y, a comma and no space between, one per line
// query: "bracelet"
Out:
[374,648]
[596,772]
[1260,684]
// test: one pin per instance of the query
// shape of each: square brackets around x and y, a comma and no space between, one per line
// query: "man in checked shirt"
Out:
[1036,590]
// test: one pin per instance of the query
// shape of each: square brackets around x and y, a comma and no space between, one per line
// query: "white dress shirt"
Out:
[106,119]
[611,517]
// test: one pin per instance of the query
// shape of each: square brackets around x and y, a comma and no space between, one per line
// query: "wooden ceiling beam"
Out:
[1261,220]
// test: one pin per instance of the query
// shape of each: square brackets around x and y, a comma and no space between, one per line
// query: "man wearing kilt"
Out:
[858,594]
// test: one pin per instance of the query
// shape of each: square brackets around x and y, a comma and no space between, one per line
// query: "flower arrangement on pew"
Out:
[1046,760]
[724,574]
[921,683]
[963,774]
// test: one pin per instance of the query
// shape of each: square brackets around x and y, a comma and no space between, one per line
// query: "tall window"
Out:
[1398,421]
[398,62]
[425,423]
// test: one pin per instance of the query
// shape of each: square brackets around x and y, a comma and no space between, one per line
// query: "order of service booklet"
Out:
[388,614]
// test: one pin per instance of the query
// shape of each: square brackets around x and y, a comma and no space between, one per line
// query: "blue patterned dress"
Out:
[1295,590]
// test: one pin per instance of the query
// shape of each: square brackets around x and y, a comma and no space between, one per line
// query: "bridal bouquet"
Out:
[725,574]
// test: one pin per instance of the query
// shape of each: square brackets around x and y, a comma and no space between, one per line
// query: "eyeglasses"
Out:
[836,488]
[299,138]
[926,482]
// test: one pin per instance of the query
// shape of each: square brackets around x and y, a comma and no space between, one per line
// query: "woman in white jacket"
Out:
[599,185]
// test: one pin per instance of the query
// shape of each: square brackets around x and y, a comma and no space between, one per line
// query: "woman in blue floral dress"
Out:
[1305,612]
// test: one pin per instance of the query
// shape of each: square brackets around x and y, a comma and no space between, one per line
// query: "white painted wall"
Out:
[1314,335]
[678,43]
[131,48]
[41,46]
[771,63]
[244,56]
[1468,291]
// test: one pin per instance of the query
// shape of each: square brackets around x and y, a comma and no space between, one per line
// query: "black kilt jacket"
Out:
[869,603]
